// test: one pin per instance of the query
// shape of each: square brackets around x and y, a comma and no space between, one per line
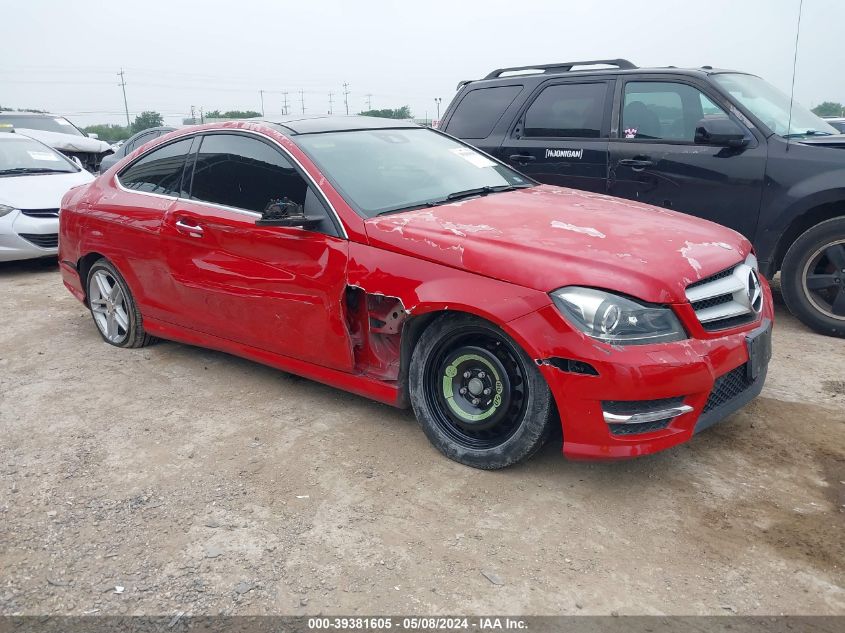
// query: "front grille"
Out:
[712,301]
[41,213]
[730,298]
[46,240]
[720,275]
[727,387]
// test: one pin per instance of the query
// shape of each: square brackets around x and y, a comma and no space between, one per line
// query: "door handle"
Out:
[191,229]
[637,164]
[522,158]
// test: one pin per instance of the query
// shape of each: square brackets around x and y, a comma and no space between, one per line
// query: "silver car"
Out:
[33,179]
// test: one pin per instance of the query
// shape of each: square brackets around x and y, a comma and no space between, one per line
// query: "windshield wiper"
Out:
[483,191]
[467,193]
[33,170]
[808,133]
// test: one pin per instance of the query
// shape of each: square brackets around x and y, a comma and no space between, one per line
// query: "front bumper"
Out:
[701,380]
[38,231]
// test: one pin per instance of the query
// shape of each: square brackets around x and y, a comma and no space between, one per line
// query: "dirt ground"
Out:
[203,483]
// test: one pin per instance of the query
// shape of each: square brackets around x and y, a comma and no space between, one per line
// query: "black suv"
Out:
[713,143]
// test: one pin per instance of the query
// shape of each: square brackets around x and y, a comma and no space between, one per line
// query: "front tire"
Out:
[479,398]
[813,277]
[113,307]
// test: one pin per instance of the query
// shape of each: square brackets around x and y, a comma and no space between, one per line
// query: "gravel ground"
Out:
[174,479]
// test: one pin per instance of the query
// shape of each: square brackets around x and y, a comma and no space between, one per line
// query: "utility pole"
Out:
[346,96]
[122,84]
[369,101]
[437,100]
[302,100]
[331,94]
[285,105]
[261,92]
[193,116]
[202,115]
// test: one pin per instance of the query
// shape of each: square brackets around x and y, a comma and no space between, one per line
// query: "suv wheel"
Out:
[813,277]
[479,398]
[115,312]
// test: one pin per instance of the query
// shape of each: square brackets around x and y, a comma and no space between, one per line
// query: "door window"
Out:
[664,110]
[159,171]
[480,110]
[245,173]
[567,111]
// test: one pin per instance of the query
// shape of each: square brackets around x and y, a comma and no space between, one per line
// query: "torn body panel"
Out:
[375,330]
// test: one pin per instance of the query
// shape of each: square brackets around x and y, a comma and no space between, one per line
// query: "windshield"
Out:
[46,123]
[771,106]
[380,171]
[19,154]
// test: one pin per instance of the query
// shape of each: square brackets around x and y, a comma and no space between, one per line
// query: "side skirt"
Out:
[382,391]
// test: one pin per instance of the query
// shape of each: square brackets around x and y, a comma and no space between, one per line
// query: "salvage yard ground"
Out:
[199,482]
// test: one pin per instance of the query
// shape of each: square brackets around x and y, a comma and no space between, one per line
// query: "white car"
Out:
[33,179]
[59,133]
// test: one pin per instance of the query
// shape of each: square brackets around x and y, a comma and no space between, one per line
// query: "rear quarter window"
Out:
[480,110]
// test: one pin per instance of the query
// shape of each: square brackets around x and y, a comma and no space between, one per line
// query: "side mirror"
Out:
[77,162]
[721,132]
[286,213]
[93,135]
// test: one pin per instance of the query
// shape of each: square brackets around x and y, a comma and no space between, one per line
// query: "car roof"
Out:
[329,123]
[159,128]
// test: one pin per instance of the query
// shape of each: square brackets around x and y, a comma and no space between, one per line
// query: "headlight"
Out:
[615,319]
[5,210]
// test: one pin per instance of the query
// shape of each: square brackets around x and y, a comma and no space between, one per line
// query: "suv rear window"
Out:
[567,111]
[480,110]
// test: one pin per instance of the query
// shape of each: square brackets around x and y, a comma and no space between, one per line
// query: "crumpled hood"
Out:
[39,191]
[546,237]
[67,142]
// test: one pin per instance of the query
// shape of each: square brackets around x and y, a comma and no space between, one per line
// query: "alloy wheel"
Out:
[109,306]
[824,280]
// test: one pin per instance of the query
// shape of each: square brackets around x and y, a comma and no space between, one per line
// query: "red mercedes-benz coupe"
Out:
[402,264]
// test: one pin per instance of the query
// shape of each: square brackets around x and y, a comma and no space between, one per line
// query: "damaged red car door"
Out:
[273,288]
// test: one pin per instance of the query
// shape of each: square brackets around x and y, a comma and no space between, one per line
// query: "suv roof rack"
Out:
[563,67]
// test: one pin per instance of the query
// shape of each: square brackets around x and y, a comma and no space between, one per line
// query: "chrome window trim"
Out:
[282,148]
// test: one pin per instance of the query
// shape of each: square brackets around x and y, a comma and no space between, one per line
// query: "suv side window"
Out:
[480,110]
[159,171]
[664,110]
[567,111]
[245,173]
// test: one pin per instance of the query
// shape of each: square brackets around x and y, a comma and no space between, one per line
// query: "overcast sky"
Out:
[64,56]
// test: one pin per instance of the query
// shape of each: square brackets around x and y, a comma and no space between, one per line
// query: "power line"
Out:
[346,96]
[122,84]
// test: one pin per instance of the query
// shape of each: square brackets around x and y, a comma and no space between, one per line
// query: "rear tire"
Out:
[813,277]
[113,307]
[479,398]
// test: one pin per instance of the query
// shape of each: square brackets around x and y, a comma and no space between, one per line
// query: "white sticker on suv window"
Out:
[42,156]
[474,158]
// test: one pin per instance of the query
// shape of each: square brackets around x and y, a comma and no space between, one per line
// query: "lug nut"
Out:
[467,374]
[475,402]
[488,391]
[462,391]
[481,374]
